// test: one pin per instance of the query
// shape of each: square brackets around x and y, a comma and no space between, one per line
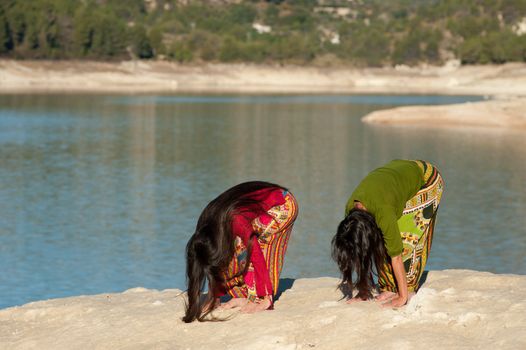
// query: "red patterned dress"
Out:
[269,225]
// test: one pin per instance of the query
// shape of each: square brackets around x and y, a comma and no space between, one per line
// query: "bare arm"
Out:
[401,282]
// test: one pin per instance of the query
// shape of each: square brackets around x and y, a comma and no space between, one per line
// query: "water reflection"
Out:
[100,193]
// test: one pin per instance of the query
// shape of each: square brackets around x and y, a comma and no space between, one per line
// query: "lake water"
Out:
[100,193]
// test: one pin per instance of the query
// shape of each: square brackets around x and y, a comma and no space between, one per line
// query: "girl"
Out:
[389,223]
[238,247]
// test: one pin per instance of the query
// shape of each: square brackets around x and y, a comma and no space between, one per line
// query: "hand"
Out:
[396,302]
[385,296]
[211,305]
[257,306]
[401,281]
[233,303]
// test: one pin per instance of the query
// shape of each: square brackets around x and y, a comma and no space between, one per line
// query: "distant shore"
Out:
[160,76]
[505,83]
[453,309]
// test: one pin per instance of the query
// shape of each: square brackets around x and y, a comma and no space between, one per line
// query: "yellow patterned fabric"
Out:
[273,240]
[416,228]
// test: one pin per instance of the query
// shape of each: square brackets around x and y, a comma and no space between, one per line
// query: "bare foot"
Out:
[233,303]
[258,306]
[354,300]
[385,295]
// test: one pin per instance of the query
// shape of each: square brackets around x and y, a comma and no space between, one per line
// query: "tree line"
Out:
[337,32]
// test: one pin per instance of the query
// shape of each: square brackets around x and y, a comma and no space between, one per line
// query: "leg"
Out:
[417,225]
[386,279]
[274,237]
[234,282]
[416,228]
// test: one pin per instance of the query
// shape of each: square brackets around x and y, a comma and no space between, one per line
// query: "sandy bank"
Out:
[454,309]
[506,113]
[144,76]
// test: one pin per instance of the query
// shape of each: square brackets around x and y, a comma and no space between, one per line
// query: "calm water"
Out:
[100,193]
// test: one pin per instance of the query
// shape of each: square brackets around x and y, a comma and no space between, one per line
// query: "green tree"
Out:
[366,45]
[50,40]
[504,47]
[109,37]
[180,52]
[5,36]
[241,14]
[418,45]
[230,50]
[298,20]
[408,50]
[83,32]
[271,14]
[140,42]
[129,10]
[99,34]
[156,41]
[17,24]
[473,51]
[204,45]
[374,33]
[431,50]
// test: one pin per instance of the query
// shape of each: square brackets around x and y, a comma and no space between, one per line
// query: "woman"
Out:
[389,223]
[238,247]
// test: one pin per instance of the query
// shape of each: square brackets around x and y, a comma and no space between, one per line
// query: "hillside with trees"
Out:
[303,32]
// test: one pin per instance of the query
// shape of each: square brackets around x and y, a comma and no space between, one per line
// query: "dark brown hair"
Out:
[357,245]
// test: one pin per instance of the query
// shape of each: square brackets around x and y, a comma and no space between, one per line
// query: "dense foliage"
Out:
[323,32]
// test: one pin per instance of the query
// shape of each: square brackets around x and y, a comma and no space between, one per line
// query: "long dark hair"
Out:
[211,247]
[357,245]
